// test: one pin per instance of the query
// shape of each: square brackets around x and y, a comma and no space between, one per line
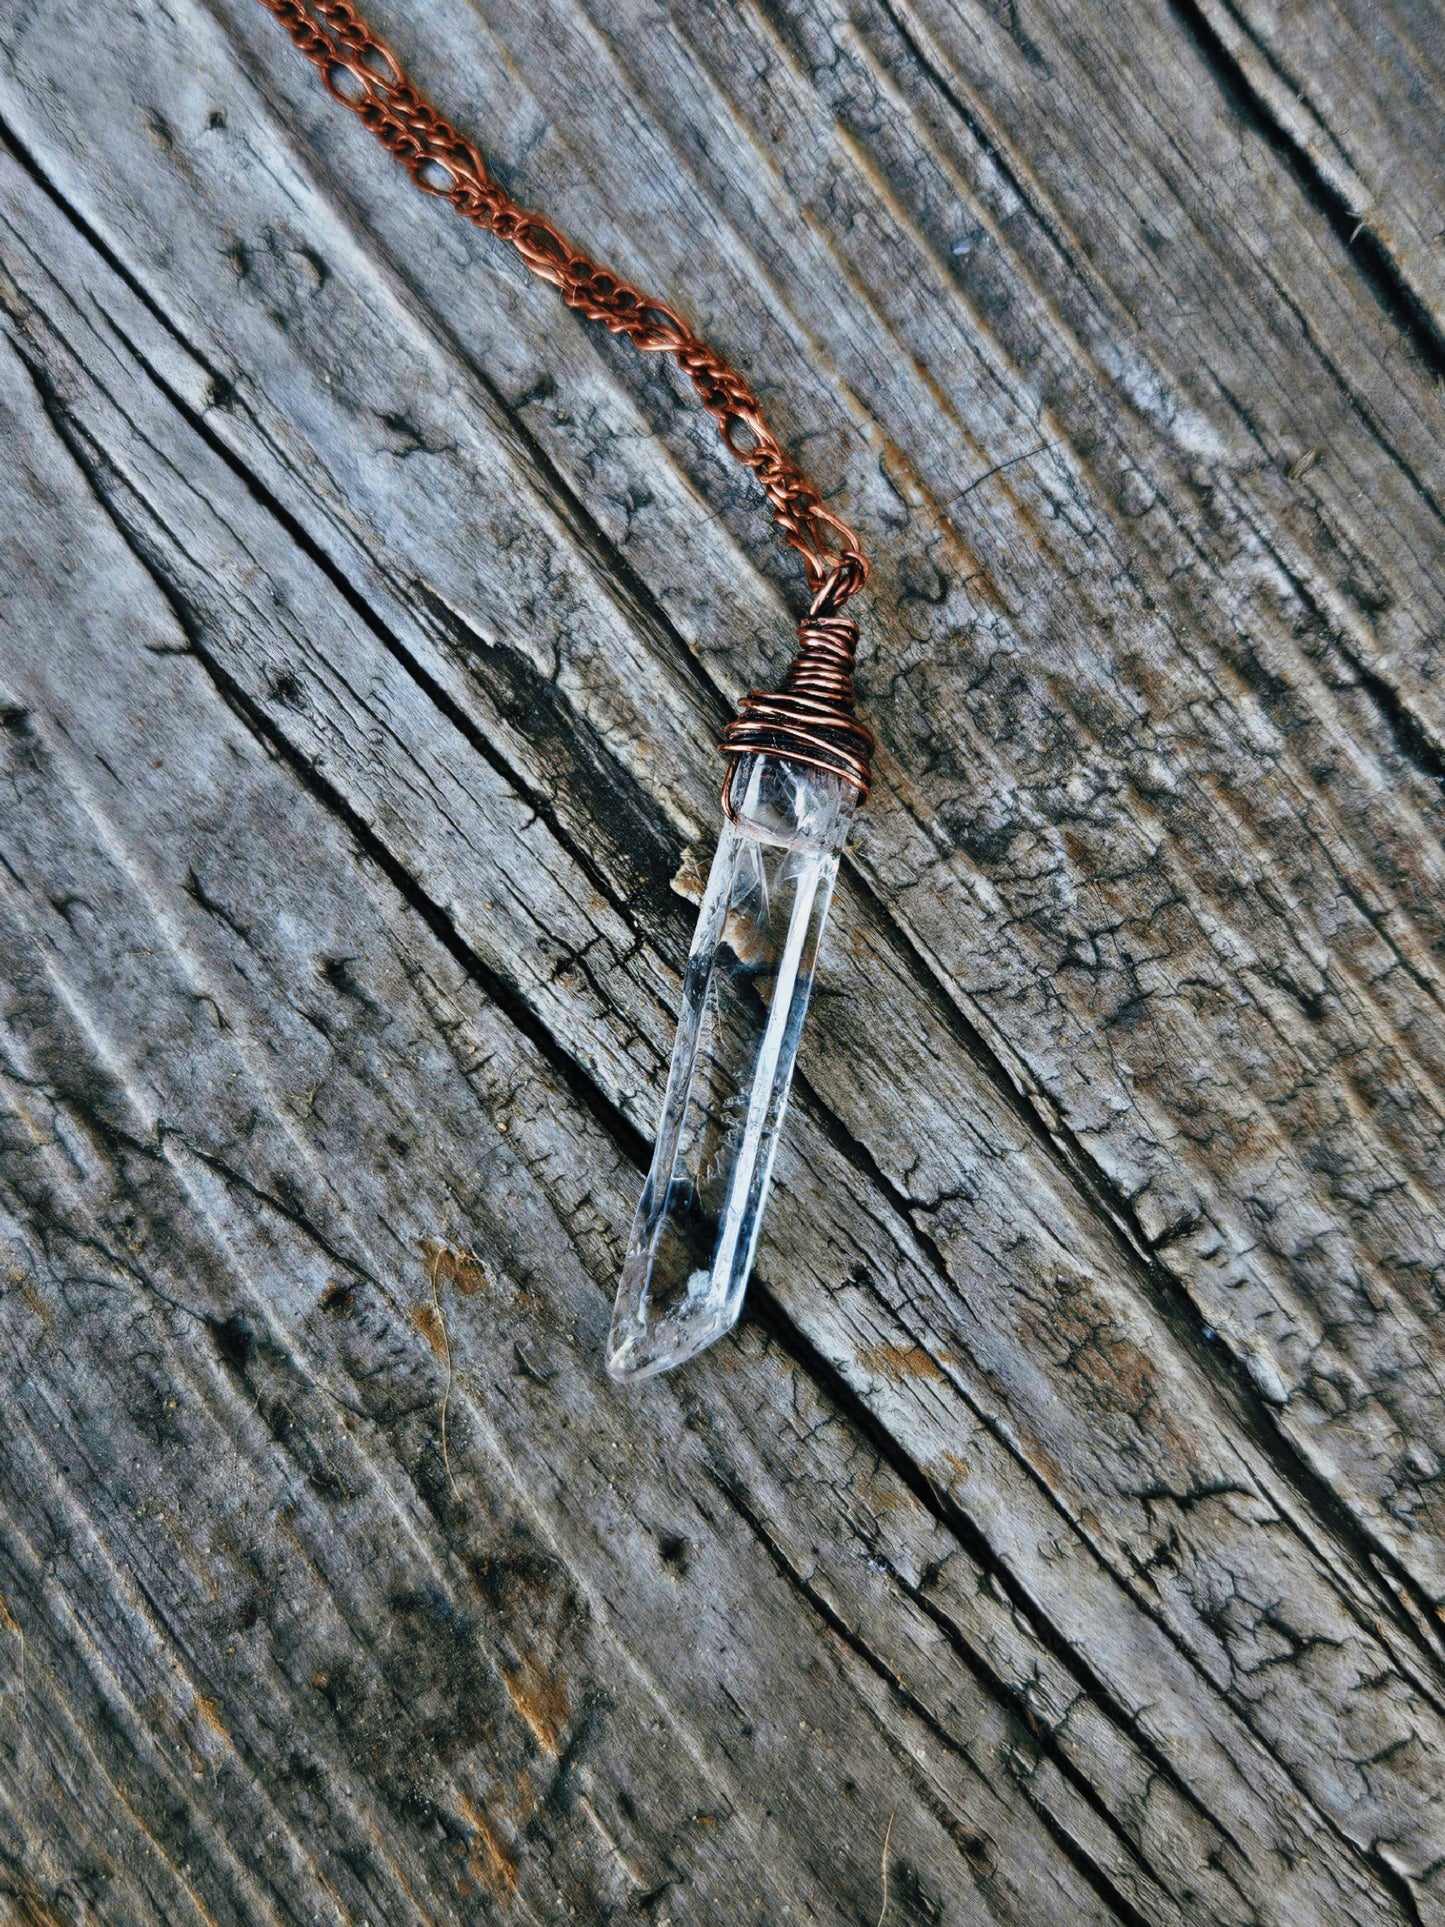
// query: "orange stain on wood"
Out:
[36,1303]
[462,1269]
[27,1906]
[425,1318]
[493,1867]
[540,1703]
[900,1361]
[210,1712]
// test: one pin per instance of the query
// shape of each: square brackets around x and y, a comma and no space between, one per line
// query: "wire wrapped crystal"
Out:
[798,769]
[745,994]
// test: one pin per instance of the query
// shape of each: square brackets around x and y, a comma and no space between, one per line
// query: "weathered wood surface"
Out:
[1063,1531]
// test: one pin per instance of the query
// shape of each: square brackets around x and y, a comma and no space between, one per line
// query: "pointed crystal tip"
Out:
[640,1347]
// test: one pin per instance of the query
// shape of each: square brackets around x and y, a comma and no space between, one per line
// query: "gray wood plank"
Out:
[1079,1457]
[230,1120]
[313,1667]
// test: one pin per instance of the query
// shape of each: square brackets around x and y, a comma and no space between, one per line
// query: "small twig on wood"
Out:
[887,1836]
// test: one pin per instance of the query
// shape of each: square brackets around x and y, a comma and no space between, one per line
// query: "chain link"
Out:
[362,72]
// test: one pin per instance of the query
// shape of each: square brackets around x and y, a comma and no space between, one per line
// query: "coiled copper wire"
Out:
[809,718]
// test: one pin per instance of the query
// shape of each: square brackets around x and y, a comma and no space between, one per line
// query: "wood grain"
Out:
[1063,1528]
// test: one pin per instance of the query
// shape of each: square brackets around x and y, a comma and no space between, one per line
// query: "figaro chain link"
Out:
[362,72]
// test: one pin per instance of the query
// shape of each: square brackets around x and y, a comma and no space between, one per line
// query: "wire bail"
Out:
[809,718]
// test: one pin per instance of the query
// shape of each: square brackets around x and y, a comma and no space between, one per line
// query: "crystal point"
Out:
[744,997]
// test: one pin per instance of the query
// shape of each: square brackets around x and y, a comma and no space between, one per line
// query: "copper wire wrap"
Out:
[809,719]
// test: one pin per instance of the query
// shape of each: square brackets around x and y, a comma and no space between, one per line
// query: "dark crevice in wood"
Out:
[1286,80]
[764,1311]
[1327,1513]
[1410,736]
[1371,260]
[390,641]
[1107,1892]
[1146,1747]
[504,994]
[996,1688]
[84,1100]
[1052,1137]
[1043,1735]
[592,538]
[1412,739]
[636,592]
[24,159]
[1349,394]
[988,145]
[634,589]
[1189,1326]
[633,833]
[292,1215]
[1367,255]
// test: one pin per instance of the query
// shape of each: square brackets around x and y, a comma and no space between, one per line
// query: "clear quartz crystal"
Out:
[744,998]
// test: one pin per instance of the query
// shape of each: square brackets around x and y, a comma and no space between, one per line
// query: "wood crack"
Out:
[1096,1876]
[1371,260]
[1189,1324]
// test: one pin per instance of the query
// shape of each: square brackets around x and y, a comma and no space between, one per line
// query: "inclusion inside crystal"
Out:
[744,997]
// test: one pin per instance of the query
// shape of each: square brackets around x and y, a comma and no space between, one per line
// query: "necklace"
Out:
[797,761]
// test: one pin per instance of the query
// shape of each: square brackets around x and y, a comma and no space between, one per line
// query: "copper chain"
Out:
[362,72]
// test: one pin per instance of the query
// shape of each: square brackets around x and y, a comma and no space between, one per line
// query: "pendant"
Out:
[744,997]
[799,769]
[799,760]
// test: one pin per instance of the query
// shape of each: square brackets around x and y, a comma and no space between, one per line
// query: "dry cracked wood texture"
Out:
[1062,1537]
